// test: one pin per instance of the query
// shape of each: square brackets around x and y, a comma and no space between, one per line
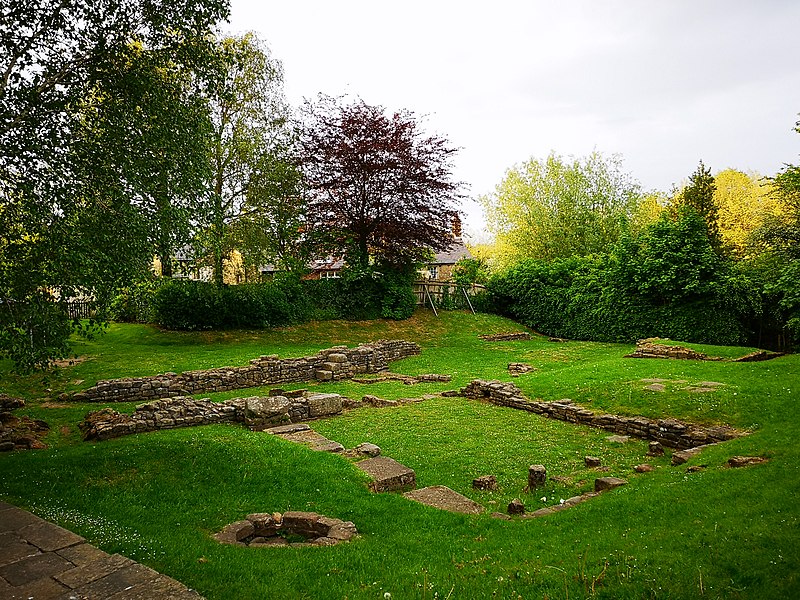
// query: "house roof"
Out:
[452,254]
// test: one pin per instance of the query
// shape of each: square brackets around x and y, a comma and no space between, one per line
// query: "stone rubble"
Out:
[652,348]
[506,337]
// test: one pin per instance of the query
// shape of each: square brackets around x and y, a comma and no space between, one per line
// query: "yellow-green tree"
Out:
[745,201]
[560,207]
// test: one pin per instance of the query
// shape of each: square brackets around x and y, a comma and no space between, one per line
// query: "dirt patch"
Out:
[68,362]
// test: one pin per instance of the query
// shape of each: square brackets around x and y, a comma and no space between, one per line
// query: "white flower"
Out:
[387,596]
[543,498]
[561,501]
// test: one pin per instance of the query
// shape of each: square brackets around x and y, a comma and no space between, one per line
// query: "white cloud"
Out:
[663,83]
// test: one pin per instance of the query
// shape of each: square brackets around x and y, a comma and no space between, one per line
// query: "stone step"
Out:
[442,497]
[387,474]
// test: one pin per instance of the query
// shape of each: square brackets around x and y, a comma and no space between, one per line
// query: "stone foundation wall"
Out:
[170,413]
[670,432]
[331,364]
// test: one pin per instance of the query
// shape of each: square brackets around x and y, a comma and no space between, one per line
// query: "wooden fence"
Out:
[80,309]
[445,295]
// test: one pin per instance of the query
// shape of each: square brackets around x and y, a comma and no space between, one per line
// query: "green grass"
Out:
[717,533]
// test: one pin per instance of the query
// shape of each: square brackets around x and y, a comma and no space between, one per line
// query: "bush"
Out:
[134,303]
[357,295]
[669,283]
[199,305]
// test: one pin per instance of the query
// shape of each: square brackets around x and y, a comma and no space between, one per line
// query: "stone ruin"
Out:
[332,364]
[256,412]
[293,528]
[19,432]
[669,432]
[506,337]
[653,348]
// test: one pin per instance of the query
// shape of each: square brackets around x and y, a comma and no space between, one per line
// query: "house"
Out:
[441,267]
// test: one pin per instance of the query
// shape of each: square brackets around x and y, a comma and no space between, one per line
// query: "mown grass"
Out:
[716,533]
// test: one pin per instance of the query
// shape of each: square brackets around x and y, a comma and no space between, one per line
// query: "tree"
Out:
[71,223]
[745,202]
[250,119]
[376,184]
[781,232]
[272,225]
[699,196]
[556,208]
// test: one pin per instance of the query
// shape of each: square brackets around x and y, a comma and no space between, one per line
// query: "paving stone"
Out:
[608,483]
[440,496]
[82,554]
[327,446]
[96,569]
[35,567]
[49,537]
[163,588]
[41,589]
[14,518]
[118,581]
[387,474]
[286,429]
[14,548]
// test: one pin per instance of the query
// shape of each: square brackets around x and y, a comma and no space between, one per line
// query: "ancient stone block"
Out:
[485,482]
[367,449]
[592,461]
[440,496]
[745,461]
[608,483]
[387,474]
[264,410]
[516,507]
[537,476]
[321,405]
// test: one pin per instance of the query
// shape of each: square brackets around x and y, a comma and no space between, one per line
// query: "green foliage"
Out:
[188,305]
[98,103]
[672,260]
[667,283]
[134,303]
[357,295]
[699,195]
[471,270]
[556,208]
[787,289]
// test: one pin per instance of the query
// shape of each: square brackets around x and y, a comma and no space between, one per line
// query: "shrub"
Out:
[199,305]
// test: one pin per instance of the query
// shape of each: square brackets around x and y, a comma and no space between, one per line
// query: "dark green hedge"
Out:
[355,296]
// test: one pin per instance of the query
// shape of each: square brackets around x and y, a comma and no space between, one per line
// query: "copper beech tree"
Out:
[377,185]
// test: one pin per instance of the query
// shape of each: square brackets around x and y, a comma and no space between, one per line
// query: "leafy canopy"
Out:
[376,183]
[558,207]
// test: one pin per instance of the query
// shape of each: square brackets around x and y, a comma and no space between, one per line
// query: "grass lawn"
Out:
[157,497]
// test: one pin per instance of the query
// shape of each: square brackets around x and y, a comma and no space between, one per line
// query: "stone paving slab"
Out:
[387,474]
[442,497]
[42,561]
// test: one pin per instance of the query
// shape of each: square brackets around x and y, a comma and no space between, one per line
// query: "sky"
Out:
[664,84]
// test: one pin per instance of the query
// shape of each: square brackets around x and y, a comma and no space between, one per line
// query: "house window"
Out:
[433,271]
[329,275]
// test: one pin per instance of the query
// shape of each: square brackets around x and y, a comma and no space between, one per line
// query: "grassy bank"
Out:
[716,533]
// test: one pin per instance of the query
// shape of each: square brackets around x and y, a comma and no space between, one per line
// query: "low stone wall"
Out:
[170,413]
[331,364]
[670,432]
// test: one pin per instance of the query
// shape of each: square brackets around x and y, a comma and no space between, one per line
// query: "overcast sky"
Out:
[664,83]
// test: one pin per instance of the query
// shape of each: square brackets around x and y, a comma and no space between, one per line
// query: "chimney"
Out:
[456,226]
